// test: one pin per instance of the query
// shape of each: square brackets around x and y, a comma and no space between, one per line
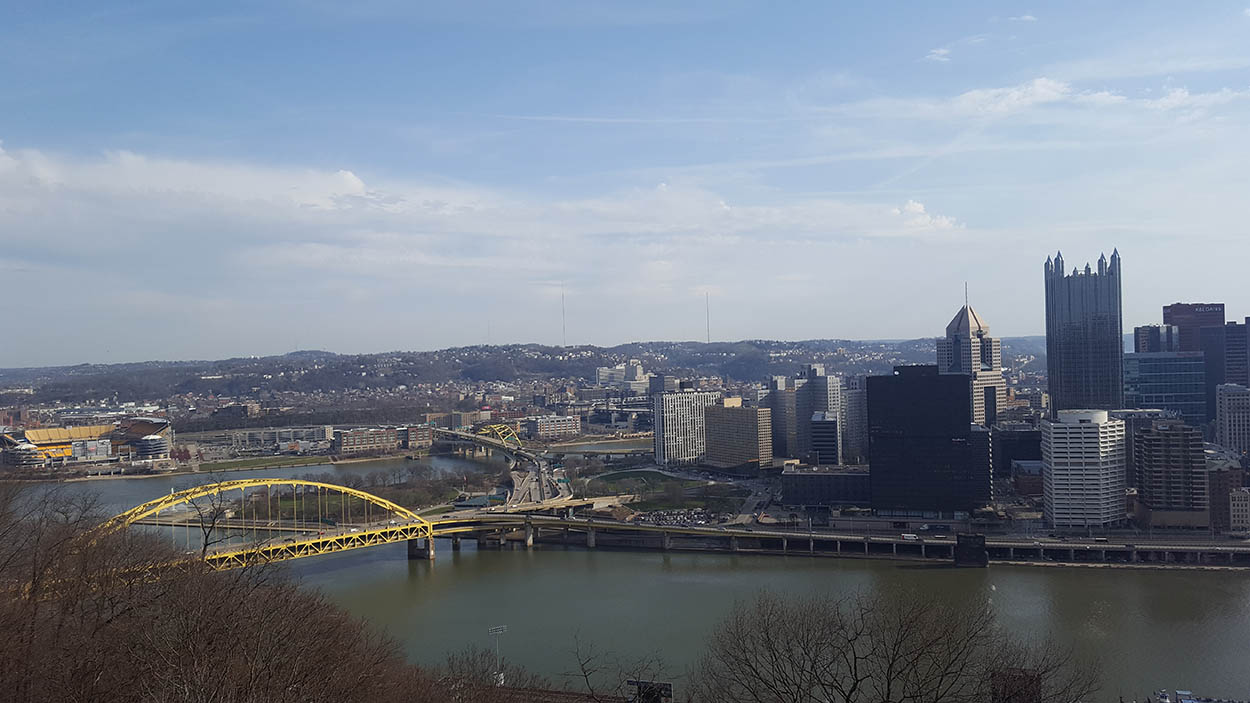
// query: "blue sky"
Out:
[197,180]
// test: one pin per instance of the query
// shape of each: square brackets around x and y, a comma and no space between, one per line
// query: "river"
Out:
[1151,629]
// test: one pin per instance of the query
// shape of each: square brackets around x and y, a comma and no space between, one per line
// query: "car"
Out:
[354,529]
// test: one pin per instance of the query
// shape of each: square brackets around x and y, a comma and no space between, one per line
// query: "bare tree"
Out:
[603,675]
[903,647]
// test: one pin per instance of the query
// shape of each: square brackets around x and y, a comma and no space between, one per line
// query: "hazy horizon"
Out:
[205,182]
[500,345]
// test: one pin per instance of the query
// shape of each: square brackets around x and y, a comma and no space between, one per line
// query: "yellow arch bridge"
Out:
[323,518]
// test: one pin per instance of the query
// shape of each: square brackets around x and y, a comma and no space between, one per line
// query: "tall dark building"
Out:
[1189,319]
[1084,336]
[1169,381]
[1014,442]
[826,450]
[923,460]
[1156,338]
[1227,356]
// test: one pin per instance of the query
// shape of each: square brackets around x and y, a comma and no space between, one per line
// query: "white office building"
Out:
[680,426]
[1232,417]
[1083,470]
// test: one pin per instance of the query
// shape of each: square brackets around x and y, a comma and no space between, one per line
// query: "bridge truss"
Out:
[503,433]
[311,509]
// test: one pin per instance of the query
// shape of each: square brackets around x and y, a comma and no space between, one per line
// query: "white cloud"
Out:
[915,217]
[1038,91]
[1022,18]
[1182,99]
[1246,12]
[218,236]
[939,54]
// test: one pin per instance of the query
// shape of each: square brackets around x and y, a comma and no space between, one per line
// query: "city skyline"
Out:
[439,178]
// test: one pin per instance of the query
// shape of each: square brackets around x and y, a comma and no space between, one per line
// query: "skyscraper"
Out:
[854,420]
[1156,338]
[1171,475]
[1084,335]
[680,429]
[969,349]
[794,401]
[1224,348]
[1169,381]
[923,461]
[1189,319]
[826,449]
[1083,469]
[1232,417]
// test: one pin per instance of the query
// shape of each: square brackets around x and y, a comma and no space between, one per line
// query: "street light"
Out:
[496,632]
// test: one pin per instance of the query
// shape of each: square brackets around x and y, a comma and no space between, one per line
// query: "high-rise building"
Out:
[794,400]
[821,393]
[783,400]
[826,447]
[1083,469]
[739,438]
[1169,381]
[1156,338]
[969,349]
[680,429]
[1190,318]
[1239,509]
[1084,335]
[1232,417]
[1171,472]
[661,383]
[1227,357]
[922,459]
[855,420]
[1136,420]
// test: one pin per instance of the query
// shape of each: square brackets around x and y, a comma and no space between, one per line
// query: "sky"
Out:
[201,180]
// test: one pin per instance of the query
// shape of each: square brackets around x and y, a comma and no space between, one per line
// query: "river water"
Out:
[1151,629]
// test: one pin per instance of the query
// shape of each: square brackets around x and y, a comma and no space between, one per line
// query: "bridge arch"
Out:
[504,433]
[184,497]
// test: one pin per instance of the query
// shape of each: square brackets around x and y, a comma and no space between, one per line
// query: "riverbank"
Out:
[229,467]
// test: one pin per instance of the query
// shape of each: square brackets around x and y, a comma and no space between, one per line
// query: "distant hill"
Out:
[309,371]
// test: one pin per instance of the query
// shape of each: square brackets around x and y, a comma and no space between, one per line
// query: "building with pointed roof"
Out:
[969,349]
[1084,335]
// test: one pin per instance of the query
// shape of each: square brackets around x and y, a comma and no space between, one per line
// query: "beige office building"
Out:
[1232,417]
[738,438]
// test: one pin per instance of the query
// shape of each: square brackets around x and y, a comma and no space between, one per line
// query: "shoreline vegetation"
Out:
[116,622]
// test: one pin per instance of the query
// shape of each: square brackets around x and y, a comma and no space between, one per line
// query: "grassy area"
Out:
[436,510]
[717,499]
[263,462]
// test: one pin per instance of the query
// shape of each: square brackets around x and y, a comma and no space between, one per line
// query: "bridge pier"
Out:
[529,535]
[666,541]
[785,544]
[733,544]
[590,538]
[502,538]
[421,548]
[455,543]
